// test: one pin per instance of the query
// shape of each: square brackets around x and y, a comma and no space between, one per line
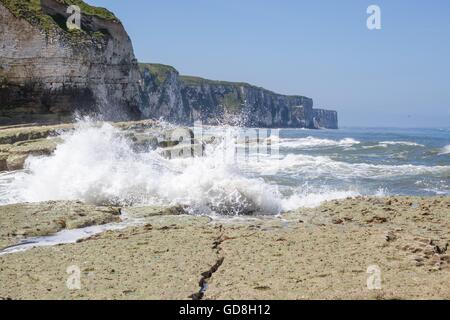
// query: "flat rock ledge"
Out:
[329,252]
[21,221]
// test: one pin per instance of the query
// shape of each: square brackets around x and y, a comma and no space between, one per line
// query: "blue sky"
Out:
[396,76]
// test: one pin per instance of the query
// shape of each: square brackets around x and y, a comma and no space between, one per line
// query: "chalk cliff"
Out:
[325,119]
[185,99]
[47,72]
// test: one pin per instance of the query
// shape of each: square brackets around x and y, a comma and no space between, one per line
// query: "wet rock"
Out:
[20,151]
[168,144]
[46,218]
[143,142]
[13,135]
[137,126]
[3,161]
[152,211]
[16,162]
[182,151]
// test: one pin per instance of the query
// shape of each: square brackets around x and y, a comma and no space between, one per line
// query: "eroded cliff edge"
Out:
[49,73]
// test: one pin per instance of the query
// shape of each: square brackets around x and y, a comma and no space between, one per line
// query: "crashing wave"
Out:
[445,150]
[96,164]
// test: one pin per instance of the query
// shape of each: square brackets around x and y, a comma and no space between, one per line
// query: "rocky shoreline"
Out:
[321,253]
[17,143]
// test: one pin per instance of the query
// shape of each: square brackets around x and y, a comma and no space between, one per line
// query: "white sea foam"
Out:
[96,164]
[307,199]
[312,142]
[403,143]
[319,166]
[445,150]
[387,144]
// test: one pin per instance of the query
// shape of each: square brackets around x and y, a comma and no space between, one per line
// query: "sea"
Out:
[241,172]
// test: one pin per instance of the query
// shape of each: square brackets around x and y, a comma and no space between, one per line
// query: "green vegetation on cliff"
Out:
[91,10]
[160,72]
[197,81]
[31,10]
[232,102]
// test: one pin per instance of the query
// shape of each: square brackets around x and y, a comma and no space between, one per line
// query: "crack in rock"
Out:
[204,280]
[207,275]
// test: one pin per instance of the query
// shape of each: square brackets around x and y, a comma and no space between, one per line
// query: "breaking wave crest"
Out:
[324,166]
[311,142]
[445,150]
[402,143]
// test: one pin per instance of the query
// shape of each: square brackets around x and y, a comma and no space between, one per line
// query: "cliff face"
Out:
[186,99]
[218,102]
[48,72]
[325,119]
[161,94]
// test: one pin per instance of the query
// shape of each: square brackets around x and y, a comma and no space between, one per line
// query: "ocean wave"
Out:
[319,166]
[386,144]
[97,165]
[312,142]
[445,150]
[403,143]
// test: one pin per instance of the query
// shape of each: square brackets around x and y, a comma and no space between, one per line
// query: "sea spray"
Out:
[445,150]
[97,164]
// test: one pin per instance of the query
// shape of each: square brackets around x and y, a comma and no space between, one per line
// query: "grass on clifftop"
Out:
[90,10]
[197,81]
[159,71]
[31,10]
